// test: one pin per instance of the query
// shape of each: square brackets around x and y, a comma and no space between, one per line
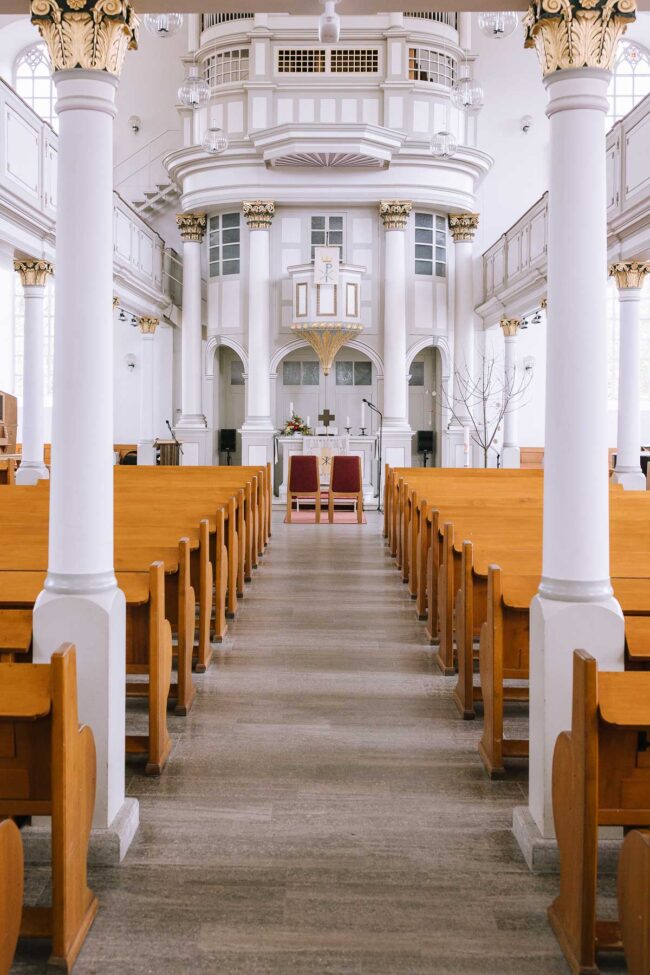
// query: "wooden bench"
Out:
[601,777]
[11,892]
[634,901]
[47,768]
[7,470]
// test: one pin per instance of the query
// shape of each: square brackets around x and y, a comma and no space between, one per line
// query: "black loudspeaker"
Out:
[227,441]
[425,441]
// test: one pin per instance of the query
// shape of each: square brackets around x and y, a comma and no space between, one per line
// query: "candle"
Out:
[290,409]
[363,414]
[466,445]
[347,421]
[308,421]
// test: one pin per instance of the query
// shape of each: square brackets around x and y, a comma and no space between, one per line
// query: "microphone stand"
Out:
[376,410]
[174,438]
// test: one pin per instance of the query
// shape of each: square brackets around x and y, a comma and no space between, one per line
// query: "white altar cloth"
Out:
[326,447]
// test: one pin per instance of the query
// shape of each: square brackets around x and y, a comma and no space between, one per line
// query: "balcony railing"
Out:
[213,20]
[448,17]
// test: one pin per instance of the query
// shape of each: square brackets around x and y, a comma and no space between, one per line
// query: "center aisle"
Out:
[324,809]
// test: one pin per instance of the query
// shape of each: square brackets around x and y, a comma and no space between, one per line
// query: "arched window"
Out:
[630,79]
[33,82]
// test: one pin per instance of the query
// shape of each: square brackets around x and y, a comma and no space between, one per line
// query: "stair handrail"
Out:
[151,156]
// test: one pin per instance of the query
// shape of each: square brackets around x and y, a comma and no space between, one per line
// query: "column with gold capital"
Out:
[629,276]
[146,450]
[33,276]
[576,43]
[191,426]
[257,431]
[87,41]
[510,454]
[463,227]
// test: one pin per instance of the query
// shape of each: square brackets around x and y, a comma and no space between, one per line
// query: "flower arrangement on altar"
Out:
[296,425]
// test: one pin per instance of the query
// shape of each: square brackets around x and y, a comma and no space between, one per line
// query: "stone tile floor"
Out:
[324,810]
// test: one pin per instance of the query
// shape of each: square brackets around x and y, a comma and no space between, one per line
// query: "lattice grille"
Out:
[301,61]
[354,61]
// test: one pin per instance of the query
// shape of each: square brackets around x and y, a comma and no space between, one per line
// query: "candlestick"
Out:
[347,421]
[363,431]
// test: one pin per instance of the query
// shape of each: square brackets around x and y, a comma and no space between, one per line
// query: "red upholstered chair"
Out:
[346,481]
[304,481]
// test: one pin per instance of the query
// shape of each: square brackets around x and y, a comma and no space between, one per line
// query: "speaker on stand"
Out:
[426,444]
[227,443]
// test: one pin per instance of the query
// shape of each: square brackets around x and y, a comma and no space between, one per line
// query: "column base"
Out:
[511,457]
[31,472]
[196,441]
[631,480]
[146,453]
[453,448]
[542,854]
[557,628]
[107,846]
[396,447]
[257,443]
[96,624]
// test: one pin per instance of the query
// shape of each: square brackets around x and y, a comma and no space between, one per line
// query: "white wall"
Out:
[126,383]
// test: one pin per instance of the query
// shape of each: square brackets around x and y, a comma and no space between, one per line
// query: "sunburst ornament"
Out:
[326,338]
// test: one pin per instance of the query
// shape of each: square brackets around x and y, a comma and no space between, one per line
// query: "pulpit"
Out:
[325,447]
[169,453]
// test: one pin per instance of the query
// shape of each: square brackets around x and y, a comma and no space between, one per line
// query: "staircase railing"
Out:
[140,167]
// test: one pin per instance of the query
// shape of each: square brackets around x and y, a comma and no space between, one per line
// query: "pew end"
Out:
[634,901]
[11,891]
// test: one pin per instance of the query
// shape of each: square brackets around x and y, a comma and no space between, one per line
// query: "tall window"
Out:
[226,67]
[33,82]
[48,338]
[630,79]
[430,245]
[224,243]
[327,232]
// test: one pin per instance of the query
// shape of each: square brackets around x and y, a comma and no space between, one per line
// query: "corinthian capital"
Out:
[148,325]
[192,226]
[510,327]
[258,213]
[463,226]
[577,33]
[629,274]
[395,213]
[90,34]
[33,273]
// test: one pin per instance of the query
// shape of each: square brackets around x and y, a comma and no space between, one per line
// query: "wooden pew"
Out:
[601,777]
[11,892]
[148,641]
[15,634]
[7,470]
[47,768]
[634,901]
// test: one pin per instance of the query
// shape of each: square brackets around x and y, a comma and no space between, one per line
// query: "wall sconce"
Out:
[529,363]
[122,316]
[130,362]
[136,124]
[134,321]
[526,122]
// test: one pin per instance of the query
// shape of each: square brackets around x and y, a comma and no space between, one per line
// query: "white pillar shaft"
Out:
[576,502]
[81,498]
[146,387]
[191,408]
[32,465]
[628,443]
[7,285]
[258,384]
[510,420]
[463,320]
[81,602]
[395,382]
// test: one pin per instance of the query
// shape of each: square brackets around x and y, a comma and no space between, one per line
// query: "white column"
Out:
[257,431]
[146,450]
[510,456]
[7,285]
[397,433]
[629,278]
[191,426]
[81,602]
[574,606]
[33,276]
[463,228]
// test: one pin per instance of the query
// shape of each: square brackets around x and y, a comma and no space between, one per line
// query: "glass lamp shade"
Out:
[215,141]
[163,25]
[467,94]
[499,24]
[194,92]
[443,145]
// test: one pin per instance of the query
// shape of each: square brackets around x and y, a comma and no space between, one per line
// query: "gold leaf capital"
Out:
[33,273]
[93,35]
[629,274]
[571,34]
[192,226]
[395,213]
[463,226]
[258,213]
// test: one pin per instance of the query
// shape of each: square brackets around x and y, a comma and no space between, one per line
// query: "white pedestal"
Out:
[31,473]
[196,444]
[453,448]
[257,446]
[511,457]
[631,480]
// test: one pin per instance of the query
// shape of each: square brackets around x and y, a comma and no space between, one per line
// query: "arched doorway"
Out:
[425,408]
[229,402]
